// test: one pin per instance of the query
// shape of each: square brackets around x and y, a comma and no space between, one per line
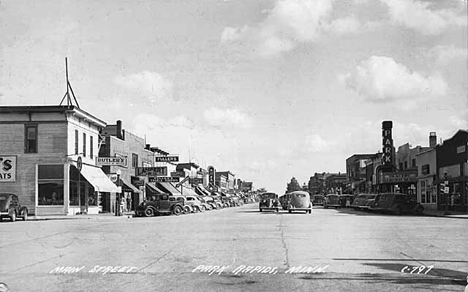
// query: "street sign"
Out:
[151,171]
[196,180]
[166,158]
[111,161]
[79,163]
[179,173]
[446,190]
[163,179]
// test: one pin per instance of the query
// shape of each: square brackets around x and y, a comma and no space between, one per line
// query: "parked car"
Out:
[360,200]
[10,207]
[397,204]
[300,201]
[160,204]
[195,203]
[369,203]
[317,200]
[332,200]
[269,201]
[211,202]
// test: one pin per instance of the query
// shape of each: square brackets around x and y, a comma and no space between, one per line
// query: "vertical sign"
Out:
[387,143]
[211,175]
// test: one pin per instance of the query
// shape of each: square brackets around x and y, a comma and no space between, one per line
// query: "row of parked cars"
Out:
[169,204]
[395,203]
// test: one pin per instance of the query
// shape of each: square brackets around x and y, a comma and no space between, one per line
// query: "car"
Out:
[332,200]
[269,201]
[317,200]
[369,203]
[346,200]
[397,204]
[196,204]
[211,202]
[11,208]
[160,204]
[300,201]
[360,200]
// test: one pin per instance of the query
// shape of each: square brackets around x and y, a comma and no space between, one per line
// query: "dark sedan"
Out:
[11,208]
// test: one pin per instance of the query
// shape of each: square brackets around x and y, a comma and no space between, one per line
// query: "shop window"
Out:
[50,185]
[76,142]
[92,197]
[134,160]
[30,139]
[406,164]
[84,144]
[91,149]
[423,192]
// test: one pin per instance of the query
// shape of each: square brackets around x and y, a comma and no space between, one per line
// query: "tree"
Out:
[293,185]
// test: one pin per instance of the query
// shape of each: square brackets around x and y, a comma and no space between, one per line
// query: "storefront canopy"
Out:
[152,188]
[168,188]
[188,192]
[203,191]
[129,186]
[98,179]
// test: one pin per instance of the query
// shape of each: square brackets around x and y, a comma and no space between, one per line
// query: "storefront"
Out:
[63,189]
[404,182]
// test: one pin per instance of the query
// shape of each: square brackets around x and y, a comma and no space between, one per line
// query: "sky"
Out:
[269,90]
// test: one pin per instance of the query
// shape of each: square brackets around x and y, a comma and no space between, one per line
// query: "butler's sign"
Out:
[113,161]
[7,168]
[387,143]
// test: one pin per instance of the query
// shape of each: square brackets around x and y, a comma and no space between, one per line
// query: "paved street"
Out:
[330,250]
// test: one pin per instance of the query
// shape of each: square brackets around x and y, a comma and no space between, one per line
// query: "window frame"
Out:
[77,136]
[26,140]
[84,144]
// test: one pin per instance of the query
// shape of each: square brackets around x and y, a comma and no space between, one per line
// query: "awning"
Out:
[98,179]
[152,188]
[129,186]
[202,192]
[168,188]
[188,192]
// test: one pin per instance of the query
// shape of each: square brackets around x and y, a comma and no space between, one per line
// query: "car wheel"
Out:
[177,210]
[186,209]
[277,210]
[398,211]
[203,208]
[25,215]
[13,217]
[289,211]
[149,212]
[261,210]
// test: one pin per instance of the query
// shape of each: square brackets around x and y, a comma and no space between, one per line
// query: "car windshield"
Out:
[269,196]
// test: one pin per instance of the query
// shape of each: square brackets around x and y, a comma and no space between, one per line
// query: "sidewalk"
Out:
[82,216]
[448,214]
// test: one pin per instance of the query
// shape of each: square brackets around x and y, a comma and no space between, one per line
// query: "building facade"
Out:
[53,151]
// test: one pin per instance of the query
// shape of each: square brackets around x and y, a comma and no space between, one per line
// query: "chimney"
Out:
[119,129]
[147,147]
[432,139]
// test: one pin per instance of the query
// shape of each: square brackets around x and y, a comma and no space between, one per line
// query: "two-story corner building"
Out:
[52,150]
[452,167]
[121,155]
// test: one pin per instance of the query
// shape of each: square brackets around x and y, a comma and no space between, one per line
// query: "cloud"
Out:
[227,118]
[381,79]
[446,54]
[418,16]
[231,34]
[315,143]
[150,84]
[290,23]
[349,25]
